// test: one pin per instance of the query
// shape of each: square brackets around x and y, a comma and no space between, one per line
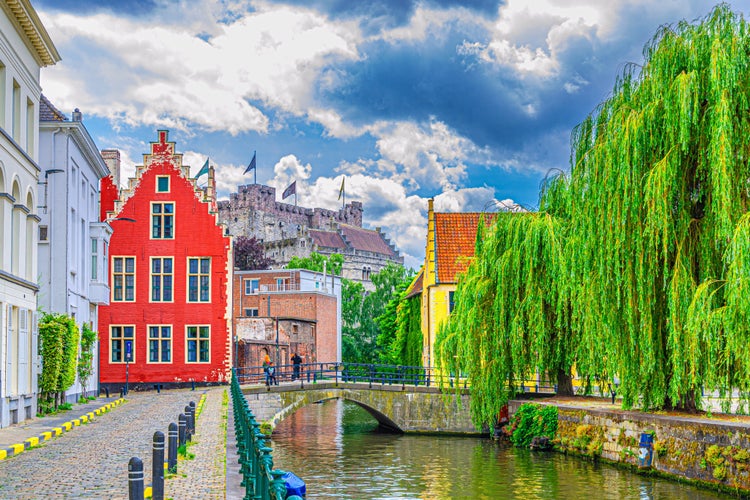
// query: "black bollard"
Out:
[192,414]
[157,468]
[193,385]
[189,423]
[182,419]
[106,391]
[172,451]
[135,479]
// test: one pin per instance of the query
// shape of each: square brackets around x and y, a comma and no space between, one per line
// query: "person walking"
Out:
[267,368]
[297,361]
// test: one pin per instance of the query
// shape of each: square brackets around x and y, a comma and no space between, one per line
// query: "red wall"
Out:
[196,234]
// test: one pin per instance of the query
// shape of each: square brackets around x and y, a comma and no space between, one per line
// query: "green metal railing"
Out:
[259,478]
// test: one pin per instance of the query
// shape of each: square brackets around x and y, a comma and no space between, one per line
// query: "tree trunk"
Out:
[564,383]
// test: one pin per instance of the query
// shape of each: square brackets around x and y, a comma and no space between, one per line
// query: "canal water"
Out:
[336,449]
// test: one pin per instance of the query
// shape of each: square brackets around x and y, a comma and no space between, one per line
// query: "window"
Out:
[16,113]
[123,279]
[30,126]
[119,336]
[251,312]
[159,344]
[251,286]
[281,284]
[161,279]
[198,344]
[94,258]
[295,329]
[162,220]
[162,184]
[199,273]
[451,302]
[42,233]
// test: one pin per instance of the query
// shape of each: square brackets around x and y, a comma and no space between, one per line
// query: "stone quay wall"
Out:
[700,450]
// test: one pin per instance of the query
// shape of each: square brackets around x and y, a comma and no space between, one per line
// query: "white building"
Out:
[25,47]
[73,243]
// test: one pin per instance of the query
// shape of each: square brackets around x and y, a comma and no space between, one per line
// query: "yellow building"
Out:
[451,239]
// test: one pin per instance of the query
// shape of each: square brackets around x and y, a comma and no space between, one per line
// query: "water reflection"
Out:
[336,448]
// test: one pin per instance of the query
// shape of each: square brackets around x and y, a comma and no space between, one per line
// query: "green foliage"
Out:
[333,264]
[58,347]
[512,308]
[352,298]
[362,312]
[51,335]
[637,265]
[400,338]
[530,421]
[407,346]
[71,339]
[86,356]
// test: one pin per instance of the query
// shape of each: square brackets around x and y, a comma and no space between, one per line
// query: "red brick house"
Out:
[169,278]
[282,311]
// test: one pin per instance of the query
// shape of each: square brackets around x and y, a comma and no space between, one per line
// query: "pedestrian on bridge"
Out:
[297,361]
[268,369]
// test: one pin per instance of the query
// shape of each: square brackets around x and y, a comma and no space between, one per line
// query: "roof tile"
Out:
[455,239]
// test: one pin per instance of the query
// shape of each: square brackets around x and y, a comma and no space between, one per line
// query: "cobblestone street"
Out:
[91,461]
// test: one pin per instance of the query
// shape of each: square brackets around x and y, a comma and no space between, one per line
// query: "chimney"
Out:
[111,158]
[77,115]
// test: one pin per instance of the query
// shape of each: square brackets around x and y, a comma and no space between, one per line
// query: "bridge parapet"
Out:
[399,408]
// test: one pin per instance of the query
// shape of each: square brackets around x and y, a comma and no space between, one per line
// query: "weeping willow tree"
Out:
[659,236]
[513,311]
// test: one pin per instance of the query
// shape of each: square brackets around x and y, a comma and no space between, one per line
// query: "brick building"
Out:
[169,277]
[280,312]
[290,231]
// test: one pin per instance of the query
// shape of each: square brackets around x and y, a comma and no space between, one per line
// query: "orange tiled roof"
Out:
[455,238]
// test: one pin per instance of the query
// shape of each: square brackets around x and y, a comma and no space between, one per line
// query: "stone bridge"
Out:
[398,408]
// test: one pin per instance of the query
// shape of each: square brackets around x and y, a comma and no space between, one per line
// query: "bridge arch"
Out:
[397,408]
[300,402]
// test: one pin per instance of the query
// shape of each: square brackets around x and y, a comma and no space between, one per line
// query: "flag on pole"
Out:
[341,190]
[252,164]
[203,170]
[292,189]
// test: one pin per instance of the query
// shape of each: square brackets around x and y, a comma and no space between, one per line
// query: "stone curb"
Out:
[15,449]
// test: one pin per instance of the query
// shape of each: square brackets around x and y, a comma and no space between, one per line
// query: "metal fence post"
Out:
[157,467]
[135,479]
[172,449]
[182,419]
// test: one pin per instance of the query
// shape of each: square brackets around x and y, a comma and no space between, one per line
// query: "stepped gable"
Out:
[162,155]
[455,238]
[366,240]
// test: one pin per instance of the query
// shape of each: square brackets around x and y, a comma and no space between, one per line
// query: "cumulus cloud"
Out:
[142,71]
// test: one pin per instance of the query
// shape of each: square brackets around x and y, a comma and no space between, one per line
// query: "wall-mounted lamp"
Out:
[45,181]
[126,219]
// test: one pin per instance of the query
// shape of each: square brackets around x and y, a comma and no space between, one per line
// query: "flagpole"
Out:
[255,170]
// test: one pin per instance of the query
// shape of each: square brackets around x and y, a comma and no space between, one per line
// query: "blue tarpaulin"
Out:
[294,485]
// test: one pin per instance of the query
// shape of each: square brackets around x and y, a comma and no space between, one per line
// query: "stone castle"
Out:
[289,231]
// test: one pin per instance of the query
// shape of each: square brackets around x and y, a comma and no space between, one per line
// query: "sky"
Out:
[468,102]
